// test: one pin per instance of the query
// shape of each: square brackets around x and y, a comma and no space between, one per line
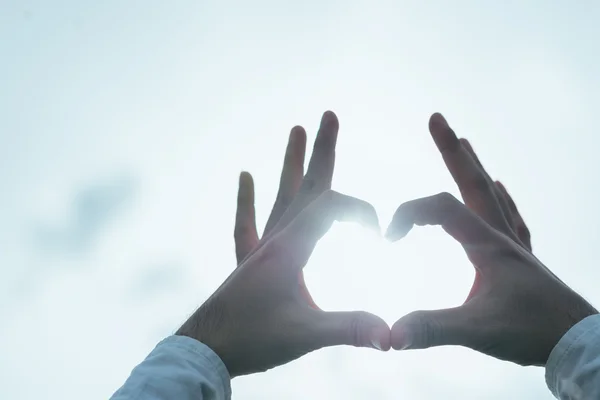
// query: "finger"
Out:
[499,196]
[353,328]
[476,190]
[320,168]
[291,176]
[424,329]
[520,227]
[302,234]
[319,172]
[445,210]
[245,235]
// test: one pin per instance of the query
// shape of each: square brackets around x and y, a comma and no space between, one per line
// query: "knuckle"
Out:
[308,185]
[273,250]
[445,197]
[284,199]
[505,249]
[447,202]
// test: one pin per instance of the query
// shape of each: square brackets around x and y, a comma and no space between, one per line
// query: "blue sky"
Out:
[124,125]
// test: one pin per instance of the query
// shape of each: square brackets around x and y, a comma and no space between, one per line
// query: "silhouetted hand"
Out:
[260,317]
[517,309]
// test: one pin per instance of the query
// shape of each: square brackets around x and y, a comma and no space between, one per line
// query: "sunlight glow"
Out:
[354,269]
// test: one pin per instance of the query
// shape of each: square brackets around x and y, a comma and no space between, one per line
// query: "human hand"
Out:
[517,310]
[260,317]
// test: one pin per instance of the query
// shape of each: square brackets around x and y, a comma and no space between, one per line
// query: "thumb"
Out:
[352,328]
[424,329]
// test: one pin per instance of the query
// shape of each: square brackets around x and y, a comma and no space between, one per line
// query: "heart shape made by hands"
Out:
[356,269]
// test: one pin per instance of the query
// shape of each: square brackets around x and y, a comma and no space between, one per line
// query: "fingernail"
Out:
[403,345]
[376,345]
[403,340]
[375,341]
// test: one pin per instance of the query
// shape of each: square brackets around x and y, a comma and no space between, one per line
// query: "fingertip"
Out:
[296,148]
[466,144]
[245,179]
[437,121]
[397,230]
[329,118]
[297,134]
[444,137]
[405,332]
[380,338]
[389,234]
[400,336]
[372,220]
[329,114]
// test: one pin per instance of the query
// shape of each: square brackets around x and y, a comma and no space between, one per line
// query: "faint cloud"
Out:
[93,208]
[158,279]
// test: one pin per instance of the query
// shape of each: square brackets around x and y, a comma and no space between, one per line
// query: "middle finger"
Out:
[476,190]
[319,173]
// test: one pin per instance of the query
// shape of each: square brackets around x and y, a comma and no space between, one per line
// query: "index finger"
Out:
[476,189]
[456,219]
[302,234]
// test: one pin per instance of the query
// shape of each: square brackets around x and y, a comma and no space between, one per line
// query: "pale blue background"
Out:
[124,125]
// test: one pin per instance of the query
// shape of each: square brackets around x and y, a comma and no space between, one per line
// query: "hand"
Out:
[260,318]
[517,309]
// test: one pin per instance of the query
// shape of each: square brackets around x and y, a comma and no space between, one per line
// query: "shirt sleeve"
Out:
[180,368]
[573,368]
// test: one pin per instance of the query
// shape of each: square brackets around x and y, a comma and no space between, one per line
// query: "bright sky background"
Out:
[124,126]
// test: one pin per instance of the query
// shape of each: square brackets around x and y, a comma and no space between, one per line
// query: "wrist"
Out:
[205,326]
[577,313]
